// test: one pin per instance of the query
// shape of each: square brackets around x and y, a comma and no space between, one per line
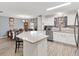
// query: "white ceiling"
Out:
[34,8]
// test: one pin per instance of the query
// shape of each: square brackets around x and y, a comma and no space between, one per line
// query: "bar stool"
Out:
[19,42]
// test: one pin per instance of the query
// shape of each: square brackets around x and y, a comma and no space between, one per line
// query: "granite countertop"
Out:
[32,36]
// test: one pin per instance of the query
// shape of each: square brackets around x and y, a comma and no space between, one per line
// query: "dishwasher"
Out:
[49,32]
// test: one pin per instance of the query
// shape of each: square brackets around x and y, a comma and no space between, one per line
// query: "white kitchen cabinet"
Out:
[67,38]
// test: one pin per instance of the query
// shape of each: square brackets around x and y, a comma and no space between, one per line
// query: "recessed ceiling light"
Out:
[62,5]
[59,13]
[24,16]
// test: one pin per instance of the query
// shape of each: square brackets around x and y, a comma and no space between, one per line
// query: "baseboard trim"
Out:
[1,37]
[50,40]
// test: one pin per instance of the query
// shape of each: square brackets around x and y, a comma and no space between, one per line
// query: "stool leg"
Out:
[18,45]
[16,48]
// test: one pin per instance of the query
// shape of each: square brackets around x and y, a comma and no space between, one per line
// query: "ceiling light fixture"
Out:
[62,5]
[60,13]
[24,16]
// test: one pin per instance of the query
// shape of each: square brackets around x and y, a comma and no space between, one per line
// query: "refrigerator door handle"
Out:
[76,39]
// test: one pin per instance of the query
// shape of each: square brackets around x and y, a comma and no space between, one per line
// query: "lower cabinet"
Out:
[67,38]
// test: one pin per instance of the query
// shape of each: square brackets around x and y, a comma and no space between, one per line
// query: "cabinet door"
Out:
[64,38]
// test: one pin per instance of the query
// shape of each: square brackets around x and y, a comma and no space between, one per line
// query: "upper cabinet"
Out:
[60,21]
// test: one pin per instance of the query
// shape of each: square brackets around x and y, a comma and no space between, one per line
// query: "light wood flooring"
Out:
[7,48]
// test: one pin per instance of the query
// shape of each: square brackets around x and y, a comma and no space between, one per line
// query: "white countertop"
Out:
[32,36]
[64,30]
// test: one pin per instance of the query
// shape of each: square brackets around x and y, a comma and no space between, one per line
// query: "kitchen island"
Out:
[34,43]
